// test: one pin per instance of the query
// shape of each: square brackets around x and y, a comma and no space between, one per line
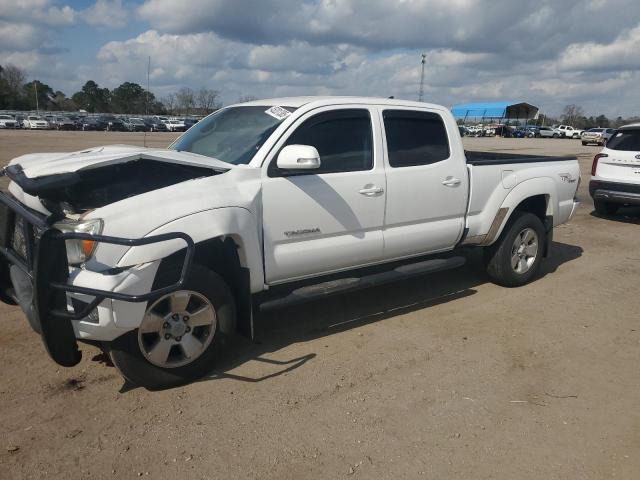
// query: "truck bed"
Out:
[501,158]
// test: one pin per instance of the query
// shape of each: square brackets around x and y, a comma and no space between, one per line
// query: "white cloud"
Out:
[106,13]
[36,11]
[623,53]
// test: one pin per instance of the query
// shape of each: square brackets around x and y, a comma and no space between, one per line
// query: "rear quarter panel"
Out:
[507,185]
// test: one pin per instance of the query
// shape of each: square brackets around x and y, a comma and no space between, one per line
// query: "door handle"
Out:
[451,182]
[371,190]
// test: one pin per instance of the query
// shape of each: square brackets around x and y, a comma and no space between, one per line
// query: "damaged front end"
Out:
[36,261]
[86,189]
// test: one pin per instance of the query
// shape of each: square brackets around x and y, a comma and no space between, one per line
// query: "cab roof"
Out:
[320,101]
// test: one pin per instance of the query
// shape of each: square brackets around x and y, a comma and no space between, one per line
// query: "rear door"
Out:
[329,219]
[427,183]
[622,163]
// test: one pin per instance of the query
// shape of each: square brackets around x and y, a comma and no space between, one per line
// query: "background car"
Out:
[533,131]
[136,125]
[567,131]
[175,125]
[90,124]
[111,123]
[615,178]
[599,136]
[35,122]
[190,122]
[549,132]
[7,121]
[63,123]
[156,125]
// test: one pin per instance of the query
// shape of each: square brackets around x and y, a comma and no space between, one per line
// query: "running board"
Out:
[343,285]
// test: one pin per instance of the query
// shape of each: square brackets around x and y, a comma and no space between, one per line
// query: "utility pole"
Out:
[146,103]
[35,86]
[421,92]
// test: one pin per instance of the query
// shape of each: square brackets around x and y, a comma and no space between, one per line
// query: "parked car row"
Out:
[105,123]
[598,136]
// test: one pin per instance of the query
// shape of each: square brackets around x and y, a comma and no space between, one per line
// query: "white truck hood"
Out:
[44,164]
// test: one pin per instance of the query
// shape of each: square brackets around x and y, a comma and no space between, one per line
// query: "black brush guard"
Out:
[47,268]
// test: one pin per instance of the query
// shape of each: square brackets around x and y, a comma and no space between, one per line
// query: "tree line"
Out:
[18,94]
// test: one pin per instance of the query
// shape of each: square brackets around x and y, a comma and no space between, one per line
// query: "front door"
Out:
[329,219]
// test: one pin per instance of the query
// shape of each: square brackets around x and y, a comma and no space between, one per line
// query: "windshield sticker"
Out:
[278,113]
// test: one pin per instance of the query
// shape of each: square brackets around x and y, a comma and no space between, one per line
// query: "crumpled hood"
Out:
[45,164]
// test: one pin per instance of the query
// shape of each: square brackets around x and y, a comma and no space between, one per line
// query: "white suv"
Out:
[615,173]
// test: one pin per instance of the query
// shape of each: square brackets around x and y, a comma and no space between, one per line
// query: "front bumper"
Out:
[623,193]
[36,275]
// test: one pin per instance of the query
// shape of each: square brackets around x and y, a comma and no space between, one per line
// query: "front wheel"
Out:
[176,341]
[515,257]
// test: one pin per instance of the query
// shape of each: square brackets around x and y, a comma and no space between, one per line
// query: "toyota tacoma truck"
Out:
[155,254]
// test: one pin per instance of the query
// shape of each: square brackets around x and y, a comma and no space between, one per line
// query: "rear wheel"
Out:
[515,257]
[605,208]
[584,143]
[176,341]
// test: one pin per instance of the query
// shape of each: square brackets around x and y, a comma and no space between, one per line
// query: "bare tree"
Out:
[185,99]
[207,100]
[14,76]
[169,103]
[247,98]
[571,113]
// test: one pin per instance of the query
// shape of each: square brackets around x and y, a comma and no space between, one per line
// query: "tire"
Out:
[605,208]
[126,351]
[555,135]
[500,257]
[584,143]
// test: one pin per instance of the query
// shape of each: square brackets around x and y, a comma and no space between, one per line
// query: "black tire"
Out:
[555,135]
[584,143]
[125,351]
[605,208]
[498,256]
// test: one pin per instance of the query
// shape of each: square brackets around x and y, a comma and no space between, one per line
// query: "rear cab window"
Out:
[415,138]
[626,139]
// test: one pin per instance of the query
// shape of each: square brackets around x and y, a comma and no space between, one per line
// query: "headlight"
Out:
[79,251]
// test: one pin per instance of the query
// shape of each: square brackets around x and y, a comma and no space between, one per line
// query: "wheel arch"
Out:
[537,196]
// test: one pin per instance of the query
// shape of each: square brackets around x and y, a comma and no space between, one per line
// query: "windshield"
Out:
[234,134]
[625,140]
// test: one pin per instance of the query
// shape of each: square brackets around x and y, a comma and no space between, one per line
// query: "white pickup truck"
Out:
[153,254]
[567,131]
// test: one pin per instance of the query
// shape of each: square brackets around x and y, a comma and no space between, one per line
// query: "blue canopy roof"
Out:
[495,110]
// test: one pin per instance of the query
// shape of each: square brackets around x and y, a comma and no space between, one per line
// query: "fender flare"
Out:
[522,191]
[235,222]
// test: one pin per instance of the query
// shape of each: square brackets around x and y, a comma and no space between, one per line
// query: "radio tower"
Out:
[421,92]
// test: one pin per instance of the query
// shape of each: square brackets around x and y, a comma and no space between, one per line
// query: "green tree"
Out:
[131,98]
[92,98]
[39,90]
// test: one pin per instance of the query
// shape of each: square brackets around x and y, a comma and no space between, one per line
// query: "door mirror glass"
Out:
[298,157]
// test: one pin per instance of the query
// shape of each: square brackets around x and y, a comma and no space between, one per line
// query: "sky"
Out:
[549,53]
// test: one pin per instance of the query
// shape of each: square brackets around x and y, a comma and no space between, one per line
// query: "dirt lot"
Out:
[442,377]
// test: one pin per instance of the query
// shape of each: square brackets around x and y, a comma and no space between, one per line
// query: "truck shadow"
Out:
[316,319]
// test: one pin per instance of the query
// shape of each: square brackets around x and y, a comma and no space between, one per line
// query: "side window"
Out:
[343,139]
[415,138]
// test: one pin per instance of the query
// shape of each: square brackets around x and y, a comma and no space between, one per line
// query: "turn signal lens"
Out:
[594,165]
[79,251]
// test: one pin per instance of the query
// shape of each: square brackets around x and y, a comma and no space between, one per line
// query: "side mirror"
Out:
[298,157]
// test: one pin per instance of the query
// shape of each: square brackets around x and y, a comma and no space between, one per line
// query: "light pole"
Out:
[421,92]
